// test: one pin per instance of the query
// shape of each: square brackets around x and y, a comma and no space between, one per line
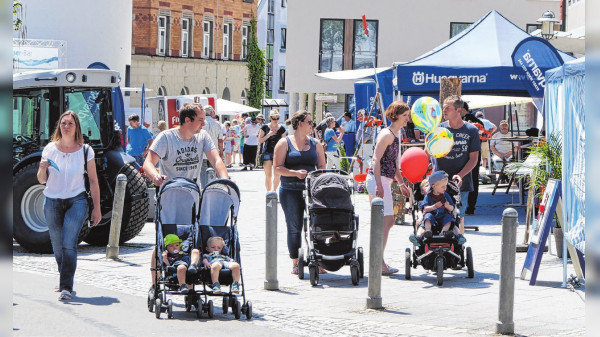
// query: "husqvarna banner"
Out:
[531,58]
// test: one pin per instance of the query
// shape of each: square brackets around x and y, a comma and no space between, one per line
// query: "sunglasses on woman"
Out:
[274,118]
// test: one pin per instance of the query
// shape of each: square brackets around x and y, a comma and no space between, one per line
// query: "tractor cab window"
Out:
[30,116]
[91,105]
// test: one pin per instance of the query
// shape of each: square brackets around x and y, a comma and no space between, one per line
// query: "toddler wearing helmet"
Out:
[177,261]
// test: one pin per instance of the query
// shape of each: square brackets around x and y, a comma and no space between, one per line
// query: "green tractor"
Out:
[39,98]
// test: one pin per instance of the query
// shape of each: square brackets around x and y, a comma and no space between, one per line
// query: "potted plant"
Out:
[548,166]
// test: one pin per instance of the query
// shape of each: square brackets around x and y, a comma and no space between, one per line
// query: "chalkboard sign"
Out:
[540,233]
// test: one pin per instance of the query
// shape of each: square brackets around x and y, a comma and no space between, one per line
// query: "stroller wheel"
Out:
[210,309]
[237,309]
[169,309]
[188,304]
[439,261]
[248,310]
[361,262]
[157,307]
[225,305]
[151,300]
[407,263]
[470,270]
[301,263]
[354,273]
[199,307]
[314,275]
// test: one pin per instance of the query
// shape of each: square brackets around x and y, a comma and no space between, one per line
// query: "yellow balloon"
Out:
[439,142]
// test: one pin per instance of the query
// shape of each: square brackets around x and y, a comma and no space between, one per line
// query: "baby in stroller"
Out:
[437,208]
[215,261]
[177,262]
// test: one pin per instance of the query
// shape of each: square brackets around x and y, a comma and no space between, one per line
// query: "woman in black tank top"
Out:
[294,157]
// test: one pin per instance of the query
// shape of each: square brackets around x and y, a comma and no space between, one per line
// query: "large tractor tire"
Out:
[29,224]
[134,211]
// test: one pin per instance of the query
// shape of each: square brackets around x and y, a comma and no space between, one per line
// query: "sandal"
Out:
[388,270]
[295,269]
[57,289]
[65,295]
[322,271]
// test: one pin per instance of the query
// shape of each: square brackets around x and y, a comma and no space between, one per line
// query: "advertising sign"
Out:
[35,57]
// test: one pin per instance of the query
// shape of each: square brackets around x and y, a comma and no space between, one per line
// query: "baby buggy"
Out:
[218,217]
[177,212]
[331,228]
[438,252]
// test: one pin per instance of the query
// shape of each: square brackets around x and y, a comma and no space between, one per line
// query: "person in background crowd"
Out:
[139,139]
[348,124]
[294,157]
[162,126]
[269,135]
[503,150]
[213,128]
[228,143]
[464,155]
[236,147]
[332,141]
[250,144]
[65,203]
[385,167]
[485,145]
[261,122]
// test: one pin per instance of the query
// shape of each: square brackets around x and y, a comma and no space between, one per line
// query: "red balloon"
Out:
[414,164]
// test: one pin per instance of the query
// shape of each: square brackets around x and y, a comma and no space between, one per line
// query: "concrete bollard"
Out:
[210,175]
[375,255]
[271,282]
[510,222]
[112,250]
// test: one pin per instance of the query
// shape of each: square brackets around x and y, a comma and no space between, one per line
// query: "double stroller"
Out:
[438,252]
[331,228]
[195,216]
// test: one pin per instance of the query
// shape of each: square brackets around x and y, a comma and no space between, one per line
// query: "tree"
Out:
[256,68]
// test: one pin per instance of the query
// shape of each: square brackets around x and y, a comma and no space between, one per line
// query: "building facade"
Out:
[272,38]
[332,38]
[191,47]
[69,30]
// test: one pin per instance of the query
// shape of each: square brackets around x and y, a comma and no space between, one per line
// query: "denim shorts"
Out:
[184,260]
[267,156]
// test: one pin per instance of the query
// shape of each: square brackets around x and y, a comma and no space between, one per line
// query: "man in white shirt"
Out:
[213,128]
[502,149]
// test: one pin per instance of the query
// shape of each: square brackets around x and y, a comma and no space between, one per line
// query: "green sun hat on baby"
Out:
[171,238]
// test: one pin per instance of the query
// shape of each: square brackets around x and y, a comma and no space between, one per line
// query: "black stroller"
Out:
[331,240]
[218,217]
[177,212]
[438,252]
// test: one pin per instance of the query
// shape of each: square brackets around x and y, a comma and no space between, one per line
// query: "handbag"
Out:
[86,181]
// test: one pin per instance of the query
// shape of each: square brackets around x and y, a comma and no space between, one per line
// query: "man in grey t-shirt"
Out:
[180,150]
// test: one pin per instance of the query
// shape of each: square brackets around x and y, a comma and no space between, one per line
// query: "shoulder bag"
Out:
[86,181]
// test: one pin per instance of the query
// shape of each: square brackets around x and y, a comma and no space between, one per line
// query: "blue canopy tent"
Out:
[564,102]
[480,56]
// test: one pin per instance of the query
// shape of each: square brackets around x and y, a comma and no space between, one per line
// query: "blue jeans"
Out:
[203,169]
[463,200]
[65,218]
[293,204]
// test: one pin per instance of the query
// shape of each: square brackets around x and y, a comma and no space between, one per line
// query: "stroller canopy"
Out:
[219,197]
[178,202]
[331,190]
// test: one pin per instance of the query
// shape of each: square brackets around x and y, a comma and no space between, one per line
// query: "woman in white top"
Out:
[65,205]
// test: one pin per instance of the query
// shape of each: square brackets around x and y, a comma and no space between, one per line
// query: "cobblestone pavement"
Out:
[416,307]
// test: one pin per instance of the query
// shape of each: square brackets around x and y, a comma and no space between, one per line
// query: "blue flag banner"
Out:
[143,103]
[531,58]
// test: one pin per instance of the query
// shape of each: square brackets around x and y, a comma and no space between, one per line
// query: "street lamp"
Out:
[548,20]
